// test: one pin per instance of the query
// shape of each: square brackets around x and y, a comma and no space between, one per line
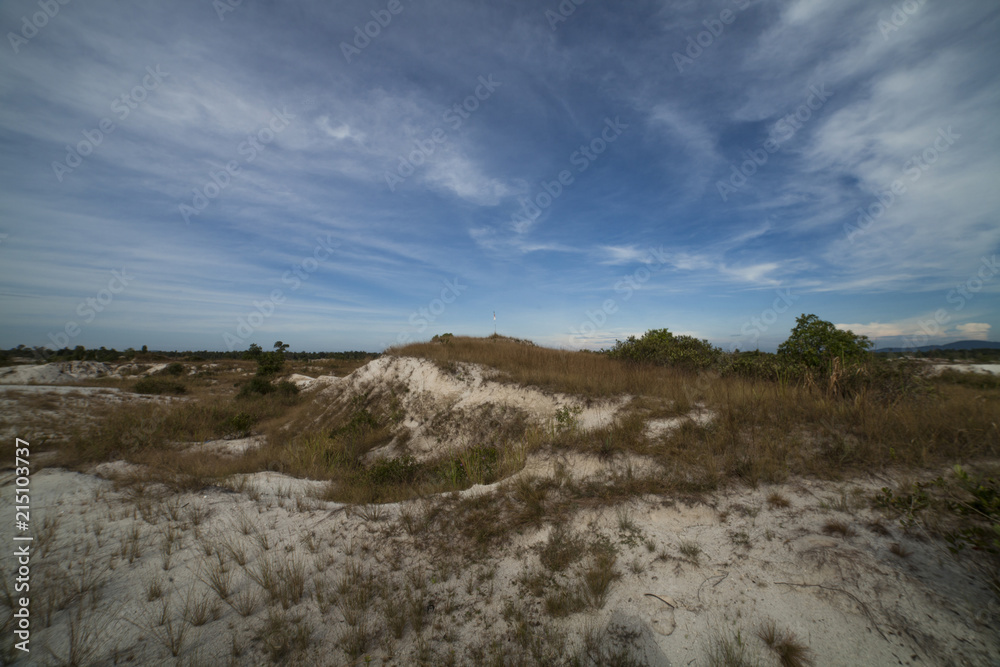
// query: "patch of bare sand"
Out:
[689,573]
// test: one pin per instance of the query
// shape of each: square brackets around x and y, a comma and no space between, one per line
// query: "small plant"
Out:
[598,577]
[562,549]
[777,501]
[154,590]
[284,635]
[740,538]
[836,527]
[908,504]
[691,551]
[198,611]
[728,649]
[220,579]
[566,417]
[245,602]
[241,423]
[166,629]
[786,646]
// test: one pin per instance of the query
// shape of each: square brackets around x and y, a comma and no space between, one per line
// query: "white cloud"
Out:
[878,329]
[975,330]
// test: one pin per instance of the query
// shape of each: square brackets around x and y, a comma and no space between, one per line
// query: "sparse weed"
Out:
[691,551]
[777,501]
[284,635]
[786,646]
[835,527]
[245,602]
[598,577]
[154,589]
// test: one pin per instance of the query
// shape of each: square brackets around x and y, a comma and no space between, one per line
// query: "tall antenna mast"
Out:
[494,323]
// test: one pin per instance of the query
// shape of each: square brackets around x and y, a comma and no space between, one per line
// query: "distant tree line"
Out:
[81,353]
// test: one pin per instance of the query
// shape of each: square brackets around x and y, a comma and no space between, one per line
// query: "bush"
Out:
[402,470]
[286,388]
[815,343]
[257,385]
[659,346]
[241,423]
[176,369]
[761,366]
[157,385]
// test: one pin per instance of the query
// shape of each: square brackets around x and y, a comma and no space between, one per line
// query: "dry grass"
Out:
[762,431]
[582,373]
[785,645]
[836,527]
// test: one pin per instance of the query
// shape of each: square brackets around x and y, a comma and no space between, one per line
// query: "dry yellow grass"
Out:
[762,431]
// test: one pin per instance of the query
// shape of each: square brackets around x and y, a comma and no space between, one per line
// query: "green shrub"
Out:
[286,388]
[257,385]
[761,366]
[659,346]
[241,422]
[361,423]
[176,369]
[158,385]
[401,470]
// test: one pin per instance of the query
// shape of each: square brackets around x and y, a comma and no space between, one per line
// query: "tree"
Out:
[271,363]
[816,343]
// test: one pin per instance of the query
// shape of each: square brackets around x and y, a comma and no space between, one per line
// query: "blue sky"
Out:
[350,175]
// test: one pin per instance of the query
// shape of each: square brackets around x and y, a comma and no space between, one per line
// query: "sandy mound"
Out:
[61,372]
[445,410]
[306,382]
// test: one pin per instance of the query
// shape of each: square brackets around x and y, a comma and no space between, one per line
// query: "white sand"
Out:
[848,598]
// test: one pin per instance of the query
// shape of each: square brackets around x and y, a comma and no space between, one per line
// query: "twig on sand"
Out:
[660,599]
[861,604]
[720,578]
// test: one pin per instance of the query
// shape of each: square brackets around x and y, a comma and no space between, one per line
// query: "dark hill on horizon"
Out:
[957,345]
